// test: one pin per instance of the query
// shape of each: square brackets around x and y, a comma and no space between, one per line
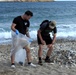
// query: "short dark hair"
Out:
[29,13]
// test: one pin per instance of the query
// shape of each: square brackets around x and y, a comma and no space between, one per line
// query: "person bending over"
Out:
[44,38]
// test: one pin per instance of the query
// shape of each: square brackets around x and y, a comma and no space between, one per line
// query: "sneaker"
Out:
[40,63]
[13,66]
[47,60]
[31,64]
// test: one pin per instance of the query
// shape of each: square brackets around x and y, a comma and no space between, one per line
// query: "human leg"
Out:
[12,61]
[13,51]
[49,50]
[40,51]
[28,53]
[47,59]
[40,55]
[12,58]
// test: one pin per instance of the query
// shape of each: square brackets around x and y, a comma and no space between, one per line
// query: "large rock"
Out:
[29,0]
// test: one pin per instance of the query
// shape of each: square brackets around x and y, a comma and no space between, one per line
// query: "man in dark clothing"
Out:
[43,38]
[20,25]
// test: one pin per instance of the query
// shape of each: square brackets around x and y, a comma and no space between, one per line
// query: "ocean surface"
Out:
[63,12]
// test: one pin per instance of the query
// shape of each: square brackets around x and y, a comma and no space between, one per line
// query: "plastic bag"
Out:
[18,42]
[20,56]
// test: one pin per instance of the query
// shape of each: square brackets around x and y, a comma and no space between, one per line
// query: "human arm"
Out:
[54,38]
[39,34]
[54,35]
[27,32]
[14,29]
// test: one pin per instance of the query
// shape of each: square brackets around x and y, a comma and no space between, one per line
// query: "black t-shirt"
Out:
[21,25]
[45,30]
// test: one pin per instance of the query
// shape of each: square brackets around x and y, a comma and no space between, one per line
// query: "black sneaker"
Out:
[47,60]
[40,63]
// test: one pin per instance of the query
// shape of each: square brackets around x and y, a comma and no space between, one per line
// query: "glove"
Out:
[17,32]
[30,40]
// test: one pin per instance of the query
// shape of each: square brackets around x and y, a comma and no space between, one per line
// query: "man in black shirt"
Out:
[43,38]
[20,25]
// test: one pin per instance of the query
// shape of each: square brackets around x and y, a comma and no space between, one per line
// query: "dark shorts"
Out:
[46,38]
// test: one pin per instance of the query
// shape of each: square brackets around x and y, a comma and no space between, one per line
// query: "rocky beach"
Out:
[63,60]
[63,57]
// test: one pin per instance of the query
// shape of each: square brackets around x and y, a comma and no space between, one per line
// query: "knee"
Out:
[40,47]
[50,46]
[28,50]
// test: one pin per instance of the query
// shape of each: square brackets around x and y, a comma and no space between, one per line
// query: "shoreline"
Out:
[57,40]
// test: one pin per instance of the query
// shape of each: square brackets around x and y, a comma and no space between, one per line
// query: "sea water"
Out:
[64,12]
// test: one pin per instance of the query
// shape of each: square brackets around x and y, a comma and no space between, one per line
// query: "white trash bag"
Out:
[18,42]
[20,56]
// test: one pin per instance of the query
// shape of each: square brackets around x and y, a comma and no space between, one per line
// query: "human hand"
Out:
[43,42]
[30,40]
[17,32]
[51,45]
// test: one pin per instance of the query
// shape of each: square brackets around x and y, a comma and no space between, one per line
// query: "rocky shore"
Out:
[63,57]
